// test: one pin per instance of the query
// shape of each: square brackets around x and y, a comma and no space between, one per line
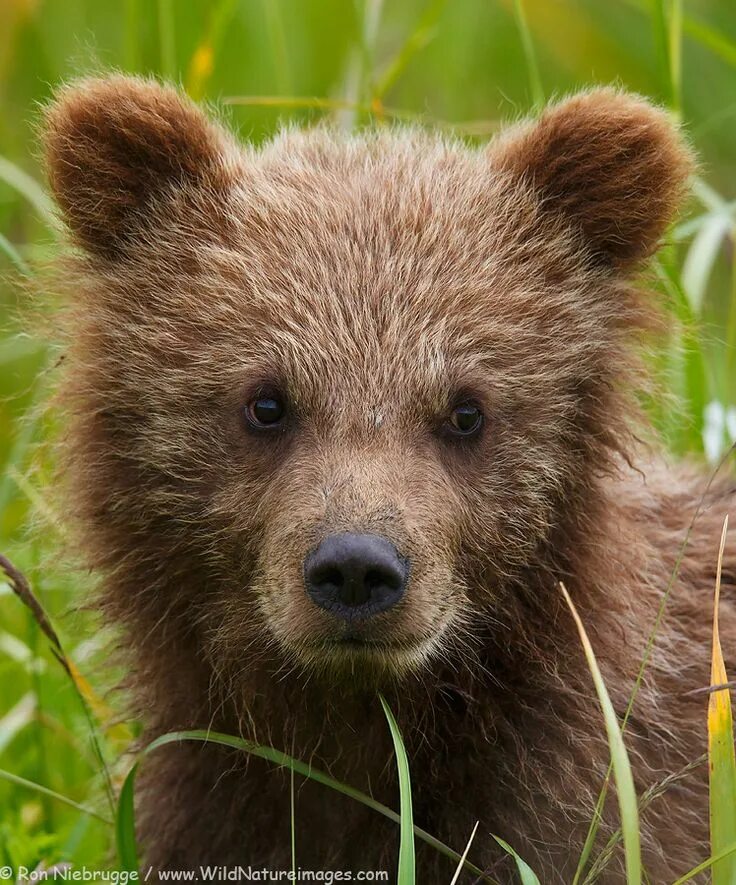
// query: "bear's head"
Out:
[336,398]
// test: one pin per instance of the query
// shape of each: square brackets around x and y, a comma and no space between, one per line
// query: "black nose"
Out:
[355,575]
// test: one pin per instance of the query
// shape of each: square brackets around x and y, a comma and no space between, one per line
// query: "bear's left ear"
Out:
[114,145]
[611,164]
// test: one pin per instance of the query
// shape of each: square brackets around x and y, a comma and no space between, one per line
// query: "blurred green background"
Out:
[464,66]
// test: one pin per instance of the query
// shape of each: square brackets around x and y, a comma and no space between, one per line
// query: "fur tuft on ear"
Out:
[610,163]
[113,145]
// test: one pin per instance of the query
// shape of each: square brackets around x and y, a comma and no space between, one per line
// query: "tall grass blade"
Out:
[16,719]
[19,584]
[530,56]
[674,42]
[52,794]
[702,256]
[721,756]
[277,38]
[685,361]
[459,867]
[372,12]
[628,807]
[420,37]
[358,80]
[125,821]
[667,28]
[131,51]
[711,38]
[18,651]
[202,63]
[8,249]
[125,825]
[167,39]
[650,794]
[18,347]
[22,589]
[595,821]
[718,42]
[18,452]
[731,327]
[705,865]
[30,189]
[406,873]
[38,501]
[482,128]
[526,873]
[592,833]
[292,821]
[333,105]
[708,196]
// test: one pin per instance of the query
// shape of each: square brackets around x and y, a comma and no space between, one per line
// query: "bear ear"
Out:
[610,163]
[113,145]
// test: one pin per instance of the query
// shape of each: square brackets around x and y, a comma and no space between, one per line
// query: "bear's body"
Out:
[447,342]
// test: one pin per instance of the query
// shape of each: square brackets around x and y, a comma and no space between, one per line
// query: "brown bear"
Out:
[344,410]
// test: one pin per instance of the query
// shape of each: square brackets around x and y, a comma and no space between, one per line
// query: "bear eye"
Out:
[265,411]
[465,420]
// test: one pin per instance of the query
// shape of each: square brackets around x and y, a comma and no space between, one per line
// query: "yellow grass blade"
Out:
[627,802]
[117,732]
[461,862]
[721,757]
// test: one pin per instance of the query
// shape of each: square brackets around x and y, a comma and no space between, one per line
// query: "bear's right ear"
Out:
[610,164]
[113,145]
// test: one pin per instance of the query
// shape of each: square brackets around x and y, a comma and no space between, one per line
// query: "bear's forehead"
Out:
[389,223]
[371,262]
[395,197]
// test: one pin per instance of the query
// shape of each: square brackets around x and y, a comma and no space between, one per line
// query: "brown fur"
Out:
[375,278]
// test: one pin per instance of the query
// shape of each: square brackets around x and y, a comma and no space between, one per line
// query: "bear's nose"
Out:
[355,576]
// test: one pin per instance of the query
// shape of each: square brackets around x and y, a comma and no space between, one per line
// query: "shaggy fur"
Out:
[376,280]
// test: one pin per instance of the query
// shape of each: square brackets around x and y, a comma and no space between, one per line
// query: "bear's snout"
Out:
[355,576]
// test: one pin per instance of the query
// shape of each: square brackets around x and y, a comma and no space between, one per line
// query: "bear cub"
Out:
[343,412]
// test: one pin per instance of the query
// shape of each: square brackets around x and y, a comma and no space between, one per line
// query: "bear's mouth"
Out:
[393,653]
[362,643]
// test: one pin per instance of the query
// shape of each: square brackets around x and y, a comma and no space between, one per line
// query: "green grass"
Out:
[626,792]
[464,66]
[406,872]
[127,851]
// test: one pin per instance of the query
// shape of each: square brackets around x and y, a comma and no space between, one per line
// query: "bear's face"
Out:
[362,379]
